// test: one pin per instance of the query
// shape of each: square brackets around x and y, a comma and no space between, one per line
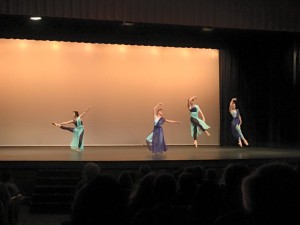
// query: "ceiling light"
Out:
[35,18]
[207,29]
[127,23]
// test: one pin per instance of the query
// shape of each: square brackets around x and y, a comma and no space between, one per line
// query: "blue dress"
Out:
[78,136]
[155,140]
[235,124]
[197,125]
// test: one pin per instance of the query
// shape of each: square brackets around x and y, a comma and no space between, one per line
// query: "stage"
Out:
[134,156]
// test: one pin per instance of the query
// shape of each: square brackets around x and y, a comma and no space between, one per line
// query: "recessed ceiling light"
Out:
[207,29]
[127,23]
[35,18]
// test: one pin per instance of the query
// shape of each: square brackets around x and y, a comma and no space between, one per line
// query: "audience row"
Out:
[269,194]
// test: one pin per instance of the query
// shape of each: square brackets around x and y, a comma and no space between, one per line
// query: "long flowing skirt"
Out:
[77,140]
[199,122]
[156,141]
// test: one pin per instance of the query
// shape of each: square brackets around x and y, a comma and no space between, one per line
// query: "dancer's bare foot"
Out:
[77,150]
[56,124]
[245,142]
[240,143]
[208,134]
[196,143]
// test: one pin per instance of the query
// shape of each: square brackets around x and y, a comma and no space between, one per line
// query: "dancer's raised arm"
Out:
[190,101]
[155,108]
[82,114]
[232,103]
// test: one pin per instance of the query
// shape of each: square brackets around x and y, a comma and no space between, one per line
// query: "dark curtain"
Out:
[296,90]
[264,75]
[229,74]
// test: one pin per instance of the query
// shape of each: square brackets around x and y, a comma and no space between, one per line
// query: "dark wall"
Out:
[273,15]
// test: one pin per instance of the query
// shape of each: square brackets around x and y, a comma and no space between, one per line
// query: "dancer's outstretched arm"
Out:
[173,121]
[155,108]
[82,114]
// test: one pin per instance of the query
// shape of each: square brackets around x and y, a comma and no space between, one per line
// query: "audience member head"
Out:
[199,174]
[164,187]
[272,195]
[125,180]
[211,175]
[144,170]
[297,168]
[91,170]
[6,176]
[234,175]
[187,182]
[102,201]
[144,189]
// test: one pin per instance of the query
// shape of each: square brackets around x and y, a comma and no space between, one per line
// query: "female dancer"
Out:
[236,123]
[197,125]
[78,130]
[155,141]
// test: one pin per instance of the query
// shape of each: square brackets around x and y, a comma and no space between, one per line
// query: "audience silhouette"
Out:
[101,201]
[190,196]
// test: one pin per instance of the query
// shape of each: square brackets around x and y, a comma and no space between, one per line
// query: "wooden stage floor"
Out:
[138,155]
[141,153]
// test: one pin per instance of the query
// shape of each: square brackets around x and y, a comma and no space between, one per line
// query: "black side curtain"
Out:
[229,72]
[264,76]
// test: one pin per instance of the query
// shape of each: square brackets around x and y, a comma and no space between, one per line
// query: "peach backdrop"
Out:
[44,81]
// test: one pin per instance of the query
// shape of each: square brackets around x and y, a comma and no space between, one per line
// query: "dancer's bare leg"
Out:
[56,124]
[240,143]
[245,142]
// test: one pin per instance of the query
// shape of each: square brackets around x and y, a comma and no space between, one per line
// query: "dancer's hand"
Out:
[178,122]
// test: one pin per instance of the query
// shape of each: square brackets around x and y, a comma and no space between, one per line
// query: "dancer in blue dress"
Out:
[236,123]
[155,140]
[198,126]
[77,142]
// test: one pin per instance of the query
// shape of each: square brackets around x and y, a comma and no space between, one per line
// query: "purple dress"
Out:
[155,140]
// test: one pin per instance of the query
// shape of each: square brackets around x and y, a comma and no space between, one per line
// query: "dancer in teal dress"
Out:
[198,126]
[77,142]
[155,140]
[236,123]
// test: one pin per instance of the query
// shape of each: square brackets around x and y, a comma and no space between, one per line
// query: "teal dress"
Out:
[77,140]
[198,126]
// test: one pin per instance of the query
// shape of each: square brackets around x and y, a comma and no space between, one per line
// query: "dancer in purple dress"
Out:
[155,140]
[236,123]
